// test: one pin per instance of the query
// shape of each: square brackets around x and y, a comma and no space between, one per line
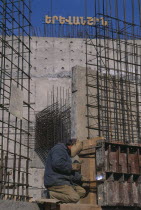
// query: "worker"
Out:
[61,176]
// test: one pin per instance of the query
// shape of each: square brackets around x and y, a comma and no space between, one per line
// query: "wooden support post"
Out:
[88,169]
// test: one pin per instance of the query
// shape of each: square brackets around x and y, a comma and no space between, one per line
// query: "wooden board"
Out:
[91,142]
[88,168]
[44,200]
[79,207]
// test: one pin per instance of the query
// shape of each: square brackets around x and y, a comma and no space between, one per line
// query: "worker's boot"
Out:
[45,194]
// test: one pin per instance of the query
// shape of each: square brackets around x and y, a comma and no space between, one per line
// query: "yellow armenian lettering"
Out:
[82,21]
[47,19]
[69,20]
[103,22]
[54,18]
[90,21]
[62,20]
[76,21]
[96,20]
[106,23]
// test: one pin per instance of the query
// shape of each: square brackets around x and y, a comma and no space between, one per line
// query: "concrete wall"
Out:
[52,60]
[17,205]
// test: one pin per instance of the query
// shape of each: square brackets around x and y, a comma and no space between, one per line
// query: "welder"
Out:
[62,178]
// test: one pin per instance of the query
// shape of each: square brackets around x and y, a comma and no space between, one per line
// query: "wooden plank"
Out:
[88,151]
[89,145]
[79,207]
[44,200]
[51,206]
[47,206]
[91,142]
[88,169]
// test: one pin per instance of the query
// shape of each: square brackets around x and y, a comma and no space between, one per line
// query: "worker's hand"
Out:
[84,179]
[76,166]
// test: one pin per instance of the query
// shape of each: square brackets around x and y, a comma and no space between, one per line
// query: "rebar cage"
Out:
[14,98]
[114,85]
[53,124]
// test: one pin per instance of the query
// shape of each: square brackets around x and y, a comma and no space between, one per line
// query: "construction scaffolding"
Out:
[114,87]
[53,124]
[14,98]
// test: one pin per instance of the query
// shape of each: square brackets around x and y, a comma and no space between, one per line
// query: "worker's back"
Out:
[58,166]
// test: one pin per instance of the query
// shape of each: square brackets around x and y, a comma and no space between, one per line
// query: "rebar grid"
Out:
[114,85]
[14,98]
[53,124]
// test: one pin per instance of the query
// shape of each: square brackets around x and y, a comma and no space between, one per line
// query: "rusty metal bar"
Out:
[15,82]
[53,124]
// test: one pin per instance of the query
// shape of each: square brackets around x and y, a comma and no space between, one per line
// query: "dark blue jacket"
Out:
[58,169]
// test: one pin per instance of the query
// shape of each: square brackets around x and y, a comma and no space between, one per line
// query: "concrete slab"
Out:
[17,205]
